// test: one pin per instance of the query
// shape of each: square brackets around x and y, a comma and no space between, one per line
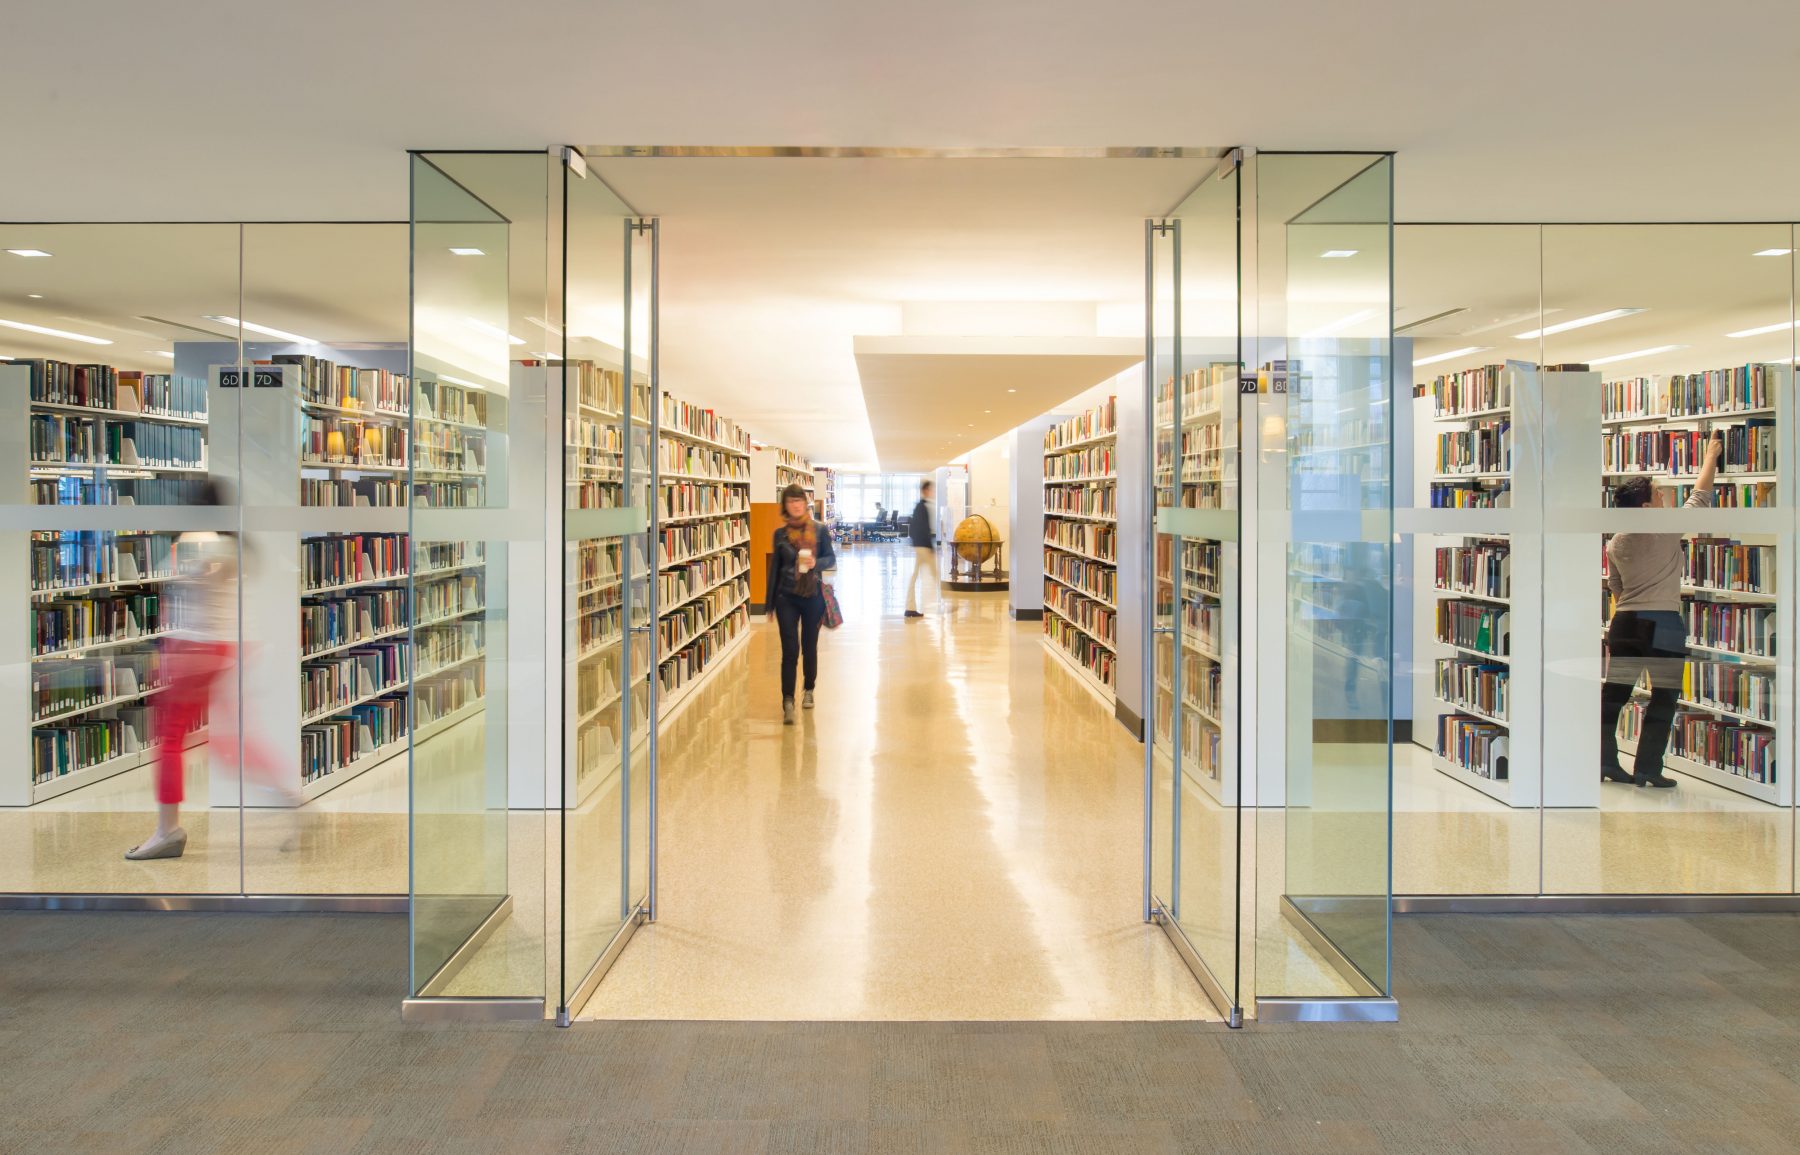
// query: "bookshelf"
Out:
[703,547]
[99,604]
[392,632]
[792,469]
[1190,474]
[1081,610]
[1726,728]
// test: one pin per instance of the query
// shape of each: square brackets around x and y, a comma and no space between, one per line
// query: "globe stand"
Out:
[977,548]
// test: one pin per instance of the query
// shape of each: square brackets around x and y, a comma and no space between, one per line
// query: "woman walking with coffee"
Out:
[802,549]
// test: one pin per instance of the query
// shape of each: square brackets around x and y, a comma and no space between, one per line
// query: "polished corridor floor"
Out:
[954,833]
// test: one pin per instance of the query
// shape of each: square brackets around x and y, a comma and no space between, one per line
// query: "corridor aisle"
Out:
[954,833]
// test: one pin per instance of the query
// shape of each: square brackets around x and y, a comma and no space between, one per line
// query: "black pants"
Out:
[1642,641]
[800,619]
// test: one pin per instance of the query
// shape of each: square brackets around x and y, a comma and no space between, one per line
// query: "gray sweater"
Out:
[1643,570]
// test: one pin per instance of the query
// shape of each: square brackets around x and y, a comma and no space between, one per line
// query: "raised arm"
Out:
[1709,467]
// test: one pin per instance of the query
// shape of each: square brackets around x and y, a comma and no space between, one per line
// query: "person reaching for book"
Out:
[1647,634]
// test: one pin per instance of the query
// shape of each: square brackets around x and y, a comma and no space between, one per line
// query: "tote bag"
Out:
[834,615]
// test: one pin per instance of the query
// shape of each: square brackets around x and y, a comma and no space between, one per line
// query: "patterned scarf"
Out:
[802,532]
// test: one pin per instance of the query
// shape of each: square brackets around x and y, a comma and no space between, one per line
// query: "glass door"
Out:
[604,343]
[1192,372]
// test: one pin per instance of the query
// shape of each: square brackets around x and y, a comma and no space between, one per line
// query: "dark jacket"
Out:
[784,564]
[921,525]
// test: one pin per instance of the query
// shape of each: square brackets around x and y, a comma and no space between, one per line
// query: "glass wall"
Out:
[1602,696]
[213,651]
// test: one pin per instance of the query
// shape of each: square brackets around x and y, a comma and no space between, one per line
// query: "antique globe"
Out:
[976,541]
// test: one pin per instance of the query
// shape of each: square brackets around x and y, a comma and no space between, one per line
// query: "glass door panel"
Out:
[607,610]
[1338,370]
[1192,747]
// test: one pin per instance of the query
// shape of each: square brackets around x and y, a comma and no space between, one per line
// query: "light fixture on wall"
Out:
[1762,329]
[35,296]
[458,251]
[265,330]
[1771,252]
[1578,323]
[28,252]
[1466,351]
[1635,353]
[49,332]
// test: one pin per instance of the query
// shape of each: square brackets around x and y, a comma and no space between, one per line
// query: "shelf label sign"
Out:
[261,376]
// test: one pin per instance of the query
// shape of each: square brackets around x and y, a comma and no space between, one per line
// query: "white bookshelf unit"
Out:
[1726,728]
[91,435]
[792,469]
[1081,611]
[703,552]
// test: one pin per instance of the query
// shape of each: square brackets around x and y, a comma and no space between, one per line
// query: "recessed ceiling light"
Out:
[1760,330]
[548,356]
[35,296]
[1338,254]
[1012,390]
[462,252]
[160,353]
[265,330]
[494,331]
[1651,352]
[3,357]
[461,381]
[1771,252]
[28,252]
[1451,355]
[1577,323]
[1343,323]
[63,333]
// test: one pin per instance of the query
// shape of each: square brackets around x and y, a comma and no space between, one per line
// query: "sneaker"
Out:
[169,845]
[1614,774]
[1659,781]
[914,614]
[787,711]
[806,700]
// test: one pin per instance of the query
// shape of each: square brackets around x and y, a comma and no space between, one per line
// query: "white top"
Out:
[1643,570]
[205,593]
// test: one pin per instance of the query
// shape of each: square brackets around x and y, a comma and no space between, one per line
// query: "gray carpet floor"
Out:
[272,1034]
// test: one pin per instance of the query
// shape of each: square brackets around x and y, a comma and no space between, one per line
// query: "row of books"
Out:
[1097,619]
[678,458]
[339,559]
[333,683]
[1471,685]
[679,543]
[1083,537]
[599,744]
[1477,626]
[604,389]
[60,439]
[1097,579]
[1100,421]
[1749,448]
[1725,494]
[694,499]
[64,558]
[1722,564]
[1478,567]
[1485,447]
[1745,751]
[683,582]
[449,596]
[698,653]
[1469,495]
[90,682]
[333,744]
[362,616]
[1202,624]
[441,697]
[705,423]
[449,449]
[1471,391]
[344,493]
[1728,686]
[66,625]
[60,750]
[117,391]
[1742,629]
[330,439]
[1203,685]
[1477,746]
[458,642]
[1202,394]
[444,401]
[1096,462]
[597,563]
[324,382]
[1088,500]
[1202,745]
[681,626]
[1087,652]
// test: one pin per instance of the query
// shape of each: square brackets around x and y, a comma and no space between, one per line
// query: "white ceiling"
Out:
[1530,110]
